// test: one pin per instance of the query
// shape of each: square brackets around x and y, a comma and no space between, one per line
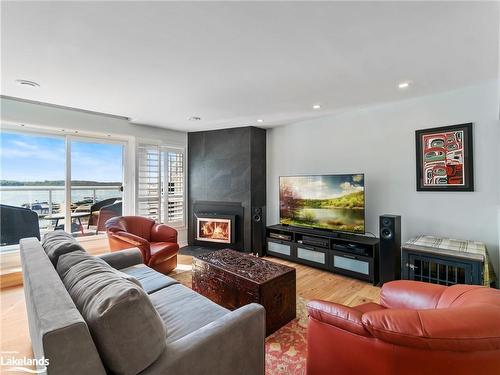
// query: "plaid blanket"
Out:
[450,244]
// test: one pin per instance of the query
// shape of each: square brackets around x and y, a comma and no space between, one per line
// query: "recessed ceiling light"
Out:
[194,118]
[25,82]
[404,85]
[260,120]
[316,106]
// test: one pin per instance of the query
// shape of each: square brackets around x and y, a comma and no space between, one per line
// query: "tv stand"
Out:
[342,253]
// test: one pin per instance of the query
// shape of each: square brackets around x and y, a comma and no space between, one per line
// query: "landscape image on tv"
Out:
[335,202]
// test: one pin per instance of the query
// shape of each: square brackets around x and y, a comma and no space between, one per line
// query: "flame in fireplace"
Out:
[214,230]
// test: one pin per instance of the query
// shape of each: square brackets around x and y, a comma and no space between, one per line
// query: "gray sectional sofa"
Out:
[114,315]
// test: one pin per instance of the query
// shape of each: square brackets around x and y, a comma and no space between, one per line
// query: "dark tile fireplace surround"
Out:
[226,188]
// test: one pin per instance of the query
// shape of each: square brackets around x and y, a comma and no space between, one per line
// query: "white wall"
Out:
[47,117]
[380,141]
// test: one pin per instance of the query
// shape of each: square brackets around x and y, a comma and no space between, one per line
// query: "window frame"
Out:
[163,147]
[69,135]
[138,199]
[164,150]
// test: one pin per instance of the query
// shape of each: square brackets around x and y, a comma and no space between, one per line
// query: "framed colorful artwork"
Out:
[444,158]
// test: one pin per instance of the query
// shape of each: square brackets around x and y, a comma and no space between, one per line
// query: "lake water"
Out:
[324,216]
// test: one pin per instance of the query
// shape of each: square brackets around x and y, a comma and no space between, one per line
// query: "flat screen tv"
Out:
[332,202]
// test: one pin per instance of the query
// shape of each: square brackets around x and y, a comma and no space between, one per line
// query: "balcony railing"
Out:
[48,200]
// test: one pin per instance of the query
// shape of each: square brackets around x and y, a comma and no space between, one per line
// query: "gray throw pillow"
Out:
[57,243]
[66,261]
[125,326]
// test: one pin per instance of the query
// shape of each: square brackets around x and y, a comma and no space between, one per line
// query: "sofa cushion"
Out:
[184,311]
[126,328]
[150,280]
[59,242]
[66,261]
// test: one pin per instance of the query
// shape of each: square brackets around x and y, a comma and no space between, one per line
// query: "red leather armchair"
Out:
[157,242]
[418,328]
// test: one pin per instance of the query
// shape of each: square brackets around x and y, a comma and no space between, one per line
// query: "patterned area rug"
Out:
[286,349]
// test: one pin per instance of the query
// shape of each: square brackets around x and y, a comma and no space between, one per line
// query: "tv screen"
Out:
[334,202]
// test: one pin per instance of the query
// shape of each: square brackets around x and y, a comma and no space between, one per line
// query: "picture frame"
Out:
[444,158]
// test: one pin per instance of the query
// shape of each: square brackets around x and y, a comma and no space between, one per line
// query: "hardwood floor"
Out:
[311,284]
[317,284]
[14,323]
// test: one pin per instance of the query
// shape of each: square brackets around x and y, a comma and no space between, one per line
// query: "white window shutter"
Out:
[149,181]
[173,187]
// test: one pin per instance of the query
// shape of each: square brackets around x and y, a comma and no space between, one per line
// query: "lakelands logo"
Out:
[9,362]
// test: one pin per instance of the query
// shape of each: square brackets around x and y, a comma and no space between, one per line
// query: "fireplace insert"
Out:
[211,227]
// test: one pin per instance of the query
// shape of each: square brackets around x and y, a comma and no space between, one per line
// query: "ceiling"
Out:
[232,63]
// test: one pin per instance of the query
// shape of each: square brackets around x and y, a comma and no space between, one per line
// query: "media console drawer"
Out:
[279,247]
[353,265]
[312,255]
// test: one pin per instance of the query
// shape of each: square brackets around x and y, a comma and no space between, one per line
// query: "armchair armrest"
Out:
[130,238]
[133,241]
[233,344]
[123,259]
[163,233]
[465,328]
[405,294]
[340,316]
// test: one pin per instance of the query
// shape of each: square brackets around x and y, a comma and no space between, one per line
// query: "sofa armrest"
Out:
[163,233]
[124,258]
[231,345]
[405,294]
[464,328]
[340,316]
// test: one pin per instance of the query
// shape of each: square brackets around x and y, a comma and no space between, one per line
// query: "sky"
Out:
[38,158]
[324,187]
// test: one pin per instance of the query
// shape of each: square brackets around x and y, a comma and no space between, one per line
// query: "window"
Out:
[65,181]
[173,195]
[160,184]
[97,173]
[32,177]
[148,181]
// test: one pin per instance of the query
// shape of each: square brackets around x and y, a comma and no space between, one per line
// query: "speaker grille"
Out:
[386,233]
[386,222]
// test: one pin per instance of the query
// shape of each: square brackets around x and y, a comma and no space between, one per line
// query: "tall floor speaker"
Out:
[390,248]
[258,230]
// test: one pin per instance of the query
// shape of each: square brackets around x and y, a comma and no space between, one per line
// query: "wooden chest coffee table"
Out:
[233,279]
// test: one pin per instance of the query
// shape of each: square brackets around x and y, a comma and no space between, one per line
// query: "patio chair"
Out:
[106,213]
[94,210]
[17,223]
